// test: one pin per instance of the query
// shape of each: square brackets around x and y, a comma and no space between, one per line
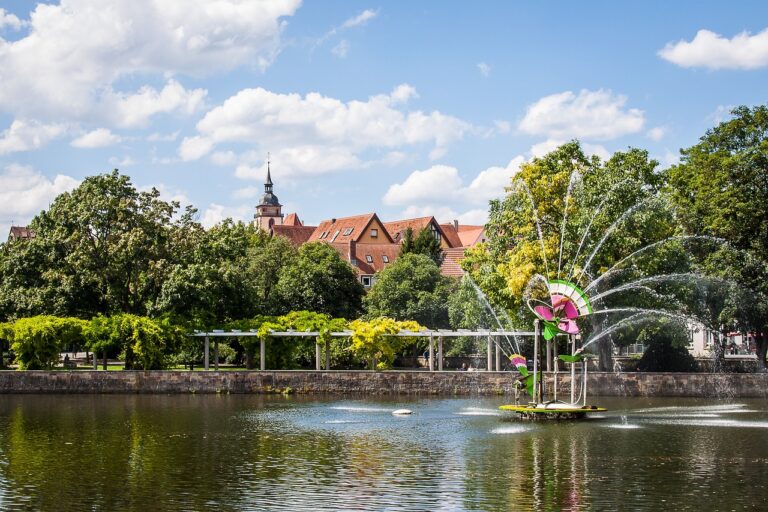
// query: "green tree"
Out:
[407,246]
[320,280]
[572,217]
[466,311]
[215,281]
[411,288]
[37,341]
[719,188]
[666,347]
[425,243]
[373,340]
[266,260]
[144,342]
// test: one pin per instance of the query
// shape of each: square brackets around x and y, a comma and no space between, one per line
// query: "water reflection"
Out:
[276,453]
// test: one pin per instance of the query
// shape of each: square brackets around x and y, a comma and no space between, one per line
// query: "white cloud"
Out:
[590,114]
[169,193]
[502,126]
[247,192]
[121,163]
[26,135]
[670,158]
[25,191]
[99,138]
[657,133]
[216,213]
[10,20]
[75,51]
[721,113]
[315,133]
[160,137]
[224,158]
[298,161]
[341,50]
[193,148]
[436,184]
[549,145]
[361,19]
[442,183]
[484,68]
[713,51]
[445,214]
[130,110]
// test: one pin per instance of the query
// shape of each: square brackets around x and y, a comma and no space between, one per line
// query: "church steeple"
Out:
[268,183]
[269,210]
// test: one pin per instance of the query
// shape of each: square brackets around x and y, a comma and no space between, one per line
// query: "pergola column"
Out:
[327,354]
[549,355]
[431,353]
[262,356]
[216,354]
[498,357]
[440,353]
[489,368]
[318,355]
[206,352]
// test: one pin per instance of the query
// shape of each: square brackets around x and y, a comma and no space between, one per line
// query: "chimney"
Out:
[456,224]
[333,221]
[352,249]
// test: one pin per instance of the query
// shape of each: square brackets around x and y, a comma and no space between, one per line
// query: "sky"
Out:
[402,108]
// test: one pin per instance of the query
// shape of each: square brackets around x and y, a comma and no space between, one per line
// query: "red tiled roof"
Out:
[21,233]
[470,235]
[343,230]
[292,219]
[397,228]
[451,259]
[297,235]
[451,235]
[361,252]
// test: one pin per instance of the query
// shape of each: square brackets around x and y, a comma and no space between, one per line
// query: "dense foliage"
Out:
[720,188]
[121,272]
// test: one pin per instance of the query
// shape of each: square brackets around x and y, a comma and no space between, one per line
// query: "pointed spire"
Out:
[269,177]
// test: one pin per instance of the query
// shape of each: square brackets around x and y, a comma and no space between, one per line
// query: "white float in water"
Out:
[402,412]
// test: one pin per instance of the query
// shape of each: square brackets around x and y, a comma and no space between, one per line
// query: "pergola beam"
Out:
[431,334]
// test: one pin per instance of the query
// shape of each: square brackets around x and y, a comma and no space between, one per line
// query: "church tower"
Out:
[269,210]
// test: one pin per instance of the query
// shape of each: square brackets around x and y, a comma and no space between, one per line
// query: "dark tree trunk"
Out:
[761,341]
[248,360]
[605,349]
[105,360]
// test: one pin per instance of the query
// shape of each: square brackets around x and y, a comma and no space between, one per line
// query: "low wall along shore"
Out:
[379,383]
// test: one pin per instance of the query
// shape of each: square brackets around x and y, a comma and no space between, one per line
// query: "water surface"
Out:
[239,452]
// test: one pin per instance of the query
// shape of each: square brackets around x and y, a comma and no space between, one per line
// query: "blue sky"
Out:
[403,108]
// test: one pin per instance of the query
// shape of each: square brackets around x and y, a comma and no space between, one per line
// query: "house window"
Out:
[369,258]
[385,258]
[348,231]
[322,235]
[374,233]
[335,235]
[435,232]
[366,280]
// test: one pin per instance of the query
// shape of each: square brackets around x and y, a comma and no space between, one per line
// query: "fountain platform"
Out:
[552,411]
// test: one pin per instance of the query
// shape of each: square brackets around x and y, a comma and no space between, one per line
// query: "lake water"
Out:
[235,452]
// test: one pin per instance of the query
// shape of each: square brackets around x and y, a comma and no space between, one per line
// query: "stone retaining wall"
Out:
[380,383]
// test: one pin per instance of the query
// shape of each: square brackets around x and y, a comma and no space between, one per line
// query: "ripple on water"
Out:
[511,429]
[354,408]
[709,423]
[479,411]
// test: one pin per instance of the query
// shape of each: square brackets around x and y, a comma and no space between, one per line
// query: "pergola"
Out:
[438,334]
